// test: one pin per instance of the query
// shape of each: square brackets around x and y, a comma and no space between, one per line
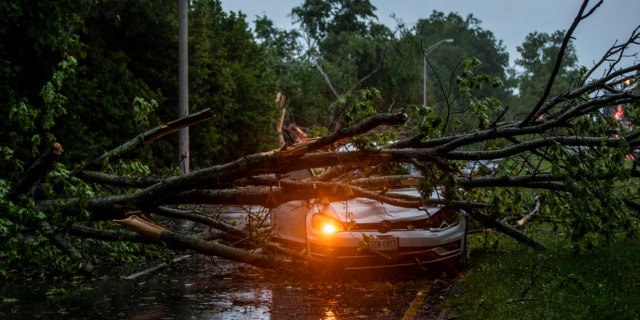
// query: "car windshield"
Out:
[298,175]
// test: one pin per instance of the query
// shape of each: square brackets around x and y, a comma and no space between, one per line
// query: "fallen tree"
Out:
[578,160]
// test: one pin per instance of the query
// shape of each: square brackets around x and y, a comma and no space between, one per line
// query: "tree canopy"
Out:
[88,152]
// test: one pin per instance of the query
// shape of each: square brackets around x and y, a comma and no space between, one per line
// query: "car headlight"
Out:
[326,224]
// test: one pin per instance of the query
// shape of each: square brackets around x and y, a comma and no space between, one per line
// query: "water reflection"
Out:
[329,315]
[228,291]
[152,299]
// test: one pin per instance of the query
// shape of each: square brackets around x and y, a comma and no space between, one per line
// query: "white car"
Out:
[364,234]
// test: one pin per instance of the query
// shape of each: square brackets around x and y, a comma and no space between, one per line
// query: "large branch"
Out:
[532,145]
[223,176]
[201,218]
[80,230]
[491,222]
[151,135]
[176,240]
[116,181]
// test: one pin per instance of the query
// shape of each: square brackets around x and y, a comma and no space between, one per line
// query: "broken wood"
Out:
[520,223]
[150,135]
[154,268]
[142,224]
[506,229]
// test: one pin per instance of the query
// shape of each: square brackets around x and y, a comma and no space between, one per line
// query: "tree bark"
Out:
[37,171]
[150,136]
[516,234]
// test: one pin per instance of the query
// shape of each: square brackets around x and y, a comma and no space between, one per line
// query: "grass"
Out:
[511,281]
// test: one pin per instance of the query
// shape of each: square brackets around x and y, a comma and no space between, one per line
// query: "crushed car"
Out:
[362,233]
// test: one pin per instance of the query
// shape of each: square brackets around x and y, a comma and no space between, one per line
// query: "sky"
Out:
[509,20]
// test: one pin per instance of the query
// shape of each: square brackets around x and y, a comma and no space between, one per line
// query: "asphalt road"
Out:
[213,288]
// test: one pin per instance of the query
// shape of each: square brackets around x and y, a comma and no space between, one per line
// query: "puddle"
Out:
[215,289]
[218,293]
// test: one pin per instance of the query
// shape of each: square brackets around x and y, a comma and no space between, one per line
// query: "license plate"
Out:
[384,244]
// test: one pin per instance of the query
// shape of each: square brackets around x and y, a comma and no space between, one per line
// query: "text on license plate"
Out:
[384,244]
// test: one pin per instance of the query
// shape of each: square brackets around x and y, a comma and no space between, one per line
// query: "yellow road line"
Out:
[415,305]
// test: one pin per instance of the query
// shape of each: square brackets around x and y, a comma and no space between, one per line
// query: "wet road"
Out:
[211,288]
[220,289]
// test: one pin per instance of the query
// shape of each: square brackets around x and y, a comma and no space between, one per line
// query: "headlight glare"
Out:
[326,224]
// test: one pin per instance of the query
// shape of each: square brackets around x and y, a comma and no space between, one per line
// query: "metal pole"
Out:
[426,53]
[424,83]
[183,83]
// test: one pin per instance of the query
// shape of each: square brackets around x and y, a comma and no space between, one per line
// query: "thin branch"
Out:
[65,246]
[534,276]
[563,47]
[615,50]
[327,80]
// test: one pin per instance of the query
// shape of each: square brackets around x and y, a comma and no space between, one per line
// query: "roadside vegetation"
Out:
[507,280]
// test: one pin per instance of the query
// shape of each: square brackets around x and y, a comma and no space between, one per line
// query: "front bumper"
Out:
[344,250]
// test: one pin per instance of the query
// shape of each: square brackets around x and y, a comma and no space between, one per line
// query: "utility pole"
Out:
[183,83]
[426,53]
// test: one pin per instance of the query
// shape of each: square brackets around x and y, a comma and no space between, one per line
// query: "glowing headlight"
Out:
[324,223]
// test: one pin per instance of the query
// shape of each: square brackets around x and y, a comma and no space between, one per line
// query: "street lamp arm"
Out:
[426,53]
[433,46]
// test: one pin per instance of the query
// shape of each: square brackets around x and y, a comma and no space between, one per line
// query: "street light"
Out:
[426,53]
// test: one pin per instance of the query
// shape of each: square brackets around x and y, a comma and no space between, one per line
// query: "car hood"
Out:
[363,210]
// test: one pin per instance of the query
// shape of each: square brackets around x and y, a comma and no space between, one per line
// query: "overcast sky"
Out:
[509,20]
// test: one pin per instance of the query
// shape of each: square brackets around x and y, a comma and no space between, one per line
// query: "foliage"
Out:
[94,74]
[558,284]
[369,55]
[357,105]
[57,292]
[538,53]
[470,43]
[324,19]
[37,118]
[344,49]
[485,109]
[230,75]
[20,212]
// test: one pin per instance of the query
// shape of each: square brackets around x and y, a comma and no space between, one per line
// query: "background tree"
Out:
[365,54]
[229,73]
[537,58]
[126,68]
[33,40]
[483,54]
[126,54]
[344,45]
